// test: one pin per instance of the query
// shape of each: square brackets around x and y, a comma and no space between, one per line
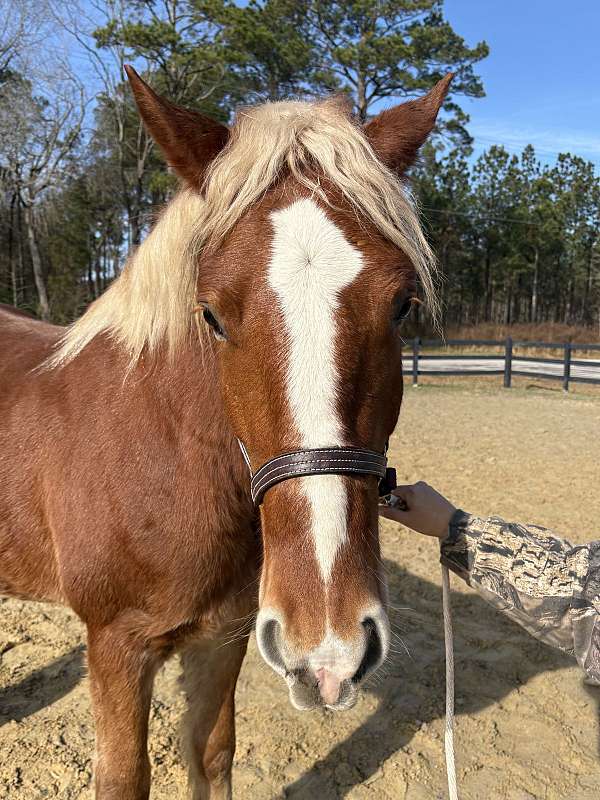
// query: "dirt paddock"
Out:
[527,727]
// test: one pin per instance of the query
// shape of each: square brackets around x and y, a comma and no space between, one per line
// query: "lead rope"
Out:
[449,723]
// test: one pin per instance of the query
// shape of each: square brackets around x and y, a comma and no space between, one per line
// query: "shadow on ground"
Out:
[492,654]
[42,687]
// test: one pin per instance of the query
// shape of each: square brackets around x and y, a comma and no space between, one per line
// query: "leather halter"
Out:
[320,461]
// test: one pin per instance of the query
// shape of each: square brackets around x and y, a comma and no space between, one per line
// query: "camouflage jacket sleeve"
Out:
[550,587]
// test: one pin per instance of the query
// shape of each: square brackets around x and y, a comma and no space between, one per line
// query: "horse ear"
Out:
[397,134]
[189,140]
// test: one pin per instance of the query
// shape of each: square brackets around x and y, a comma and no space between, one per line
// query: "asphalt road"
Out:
[482,365]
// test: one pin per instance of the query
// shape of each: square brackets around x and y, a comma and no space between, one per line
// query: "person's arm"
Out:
[550,587]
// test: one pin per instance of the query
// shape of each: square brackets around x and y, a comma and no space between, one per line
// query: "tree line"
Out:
[81,182]
[517,240]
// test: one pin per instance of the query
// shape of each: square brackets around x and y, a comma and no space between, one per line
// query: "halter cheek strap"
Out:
[319,461]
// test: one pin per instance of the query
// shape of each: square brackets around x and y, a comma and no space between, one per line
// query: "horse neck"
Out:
[171,403]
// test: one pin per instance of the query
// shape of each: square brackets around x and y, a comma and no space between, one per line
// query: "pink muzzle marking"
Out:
[329,686]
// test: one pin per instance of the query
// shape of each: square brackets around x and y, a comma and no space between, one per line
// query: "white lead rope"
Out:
[449,725]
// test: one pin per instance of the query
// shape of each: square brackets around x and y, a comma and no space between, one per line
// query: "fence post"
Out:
[508,355]
[415,363]
[567,367]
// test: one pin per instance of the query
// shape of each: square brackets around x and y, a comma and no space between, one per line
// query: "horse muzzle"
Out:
[331,673]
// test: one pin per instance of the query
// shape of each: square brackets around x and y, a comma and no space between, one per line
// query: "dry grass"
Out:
[541,332]
[547,332]
[521,385]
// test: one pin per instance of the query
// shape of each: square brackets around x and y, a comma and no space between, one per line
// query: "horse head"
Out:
[308,254]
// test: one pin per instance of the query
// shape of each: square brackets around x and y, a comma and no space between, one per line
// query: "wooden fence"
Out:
[565,368]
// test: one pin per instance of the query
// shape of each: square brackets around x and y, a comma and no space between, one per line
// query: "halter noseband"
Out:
[320,461]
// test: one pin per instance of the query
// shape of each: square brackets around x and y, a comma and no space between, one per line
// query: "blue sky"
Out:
[542,77]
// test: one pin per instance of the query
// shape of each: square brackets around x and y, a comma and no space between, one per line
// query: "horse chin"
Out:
[305,696]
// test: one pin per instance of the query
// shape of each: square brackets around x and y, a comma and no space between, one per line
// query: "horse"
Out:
[264,308]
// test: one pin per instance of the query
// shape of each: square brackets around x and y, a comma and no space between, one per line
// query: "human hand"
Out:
[421,508]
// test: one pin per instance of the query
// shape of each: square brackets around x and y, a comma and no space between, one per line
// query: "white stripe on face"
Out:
[311,263]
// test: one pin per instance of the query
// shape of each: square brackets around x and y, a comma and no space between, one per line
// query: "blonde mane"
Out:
[151,302]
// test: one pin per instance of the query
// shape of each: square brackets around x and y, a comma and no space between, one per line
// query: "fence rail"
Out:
[566,369]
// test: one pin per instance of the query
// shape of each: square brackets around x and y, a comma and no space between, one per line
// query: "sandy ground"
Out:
[527,726]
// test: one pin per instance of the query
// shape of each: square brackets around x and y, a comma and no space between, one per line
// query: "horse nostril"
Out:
[268,635]
[373,652]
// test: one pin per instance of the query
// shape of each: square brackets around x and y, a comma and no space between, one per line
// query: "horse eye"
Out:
[212,321]
[403,311]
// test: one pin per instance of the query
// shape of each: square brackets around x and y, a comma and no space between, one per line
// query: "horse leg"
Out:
[210,672]
[122,668]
